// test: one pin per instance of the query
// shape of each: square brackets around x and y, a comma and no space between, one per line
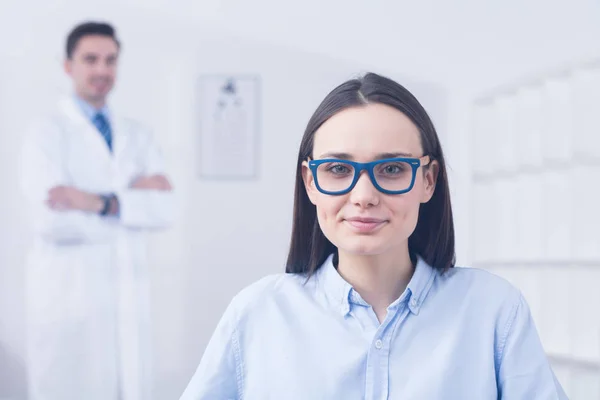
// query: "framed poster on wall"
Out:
[229,123]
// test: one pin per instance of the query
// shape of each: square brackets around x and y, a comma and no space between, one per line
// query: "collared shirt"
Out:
[90,111]
[464,334]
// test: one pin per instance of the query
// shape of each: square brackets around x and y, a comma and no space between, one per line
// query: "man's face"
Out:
[93,67]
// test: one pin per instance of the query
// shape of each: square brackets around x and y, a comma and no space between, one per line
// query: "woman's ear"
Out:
[309,182]
[430,176]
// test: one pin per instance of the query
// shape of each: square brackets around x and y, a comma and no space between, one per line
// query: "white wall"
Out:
[231,233]
[467,45]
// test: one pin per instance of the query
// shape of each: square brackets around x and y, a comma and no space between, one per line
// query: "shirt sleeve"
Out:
[219,374]
[524,369]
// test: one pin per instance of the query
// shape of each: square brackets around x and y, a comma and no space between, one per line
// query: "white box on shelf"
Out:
[477,219]
[557,212]
[529,229]
[482,138]
[505,151]
[557,306]
[586,99]
[505,195]
[586,212]
[585,315]
[484,232]
[557,115]
[492,138]
[528,124]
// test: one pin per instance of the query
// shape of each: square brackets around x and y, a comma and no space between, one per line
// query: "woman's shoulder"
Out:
[474,294]
[480,284]
[477,277]
[267,290]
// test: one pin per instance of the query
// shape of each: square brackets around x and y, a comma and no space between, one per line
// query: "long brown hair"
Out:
[433,238]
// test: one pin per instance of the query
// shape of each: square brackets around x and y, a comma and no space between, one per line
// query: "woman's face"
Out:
[364,134]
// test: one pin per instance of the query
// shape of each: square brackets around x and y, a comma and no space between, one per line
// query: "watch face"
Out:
[106,207]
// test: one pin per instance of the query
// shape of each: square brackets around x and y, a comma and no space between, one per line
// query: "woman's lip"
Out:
[364,227]
[365,220]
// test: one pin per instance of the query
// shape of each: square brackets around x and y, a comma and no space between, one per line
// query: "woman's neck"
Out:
[379,279]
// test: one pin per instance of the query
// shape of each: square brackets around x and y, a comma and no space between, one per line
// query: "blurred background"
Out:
[513,88]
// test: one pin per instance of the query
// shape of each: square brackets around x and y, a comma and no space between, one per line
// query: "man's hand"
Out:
[154,182]
[64,198]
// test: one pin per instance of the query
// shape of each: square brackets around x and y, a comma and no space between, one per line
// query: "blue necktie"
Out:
[104,128]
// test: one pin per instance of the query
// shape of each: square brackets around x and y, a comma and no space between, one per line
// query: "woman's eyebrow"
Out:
[348,156]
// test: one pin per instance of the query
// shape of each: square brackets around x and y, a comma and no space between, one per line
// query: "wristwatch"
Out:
[107,199]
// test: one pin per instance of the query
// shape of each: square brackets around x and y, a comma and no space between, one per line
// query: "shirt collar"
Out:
[335,288]
[420,284]
[341,295]
[90,111]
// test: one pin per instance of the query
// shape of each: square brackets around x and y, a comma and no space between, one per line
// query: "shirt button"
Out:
[413,302]
[378,344]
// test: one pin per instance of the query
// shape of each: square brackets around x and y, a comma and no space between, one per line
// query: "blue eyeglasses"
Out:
[390,176]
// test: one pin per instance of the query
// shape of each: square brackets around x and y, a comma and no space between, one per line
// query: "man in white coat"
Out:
[95,183]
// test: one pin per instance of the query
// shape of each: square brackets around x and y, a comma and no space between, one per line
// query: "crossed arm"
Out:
[65,198]
[64,214]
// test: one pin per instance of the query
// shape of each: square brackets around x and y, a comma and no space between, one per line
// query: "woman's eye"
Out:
[338,169]
[396,168]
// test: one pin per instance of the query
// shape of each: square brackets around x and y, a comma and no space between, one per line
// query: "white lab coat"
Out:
[87,294]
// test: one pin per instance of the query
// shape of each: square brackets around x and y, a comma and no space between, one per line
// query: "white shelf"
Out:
[557,166]
[576,363]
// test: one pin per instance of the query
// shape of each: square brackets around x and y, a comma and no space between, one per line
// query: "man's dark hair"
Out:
[88,29]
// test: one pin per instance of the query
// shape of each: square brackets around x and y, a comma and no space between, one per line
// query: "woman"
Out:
[371,306]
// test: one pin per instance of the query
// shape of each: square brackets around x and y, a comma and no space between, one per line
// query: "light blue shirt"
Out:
[465,334]
[90,111]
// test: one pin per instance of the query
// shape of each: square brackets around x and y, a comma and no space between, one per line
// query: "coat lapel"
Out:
[120,141]
[89,134]
[120,165]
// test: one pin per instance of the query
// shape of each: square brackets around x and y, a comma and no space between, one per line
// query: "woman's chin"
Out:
[363,246]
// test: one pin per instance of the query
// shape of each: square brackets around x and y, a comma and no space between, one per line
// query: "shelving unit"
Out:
[536,210]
